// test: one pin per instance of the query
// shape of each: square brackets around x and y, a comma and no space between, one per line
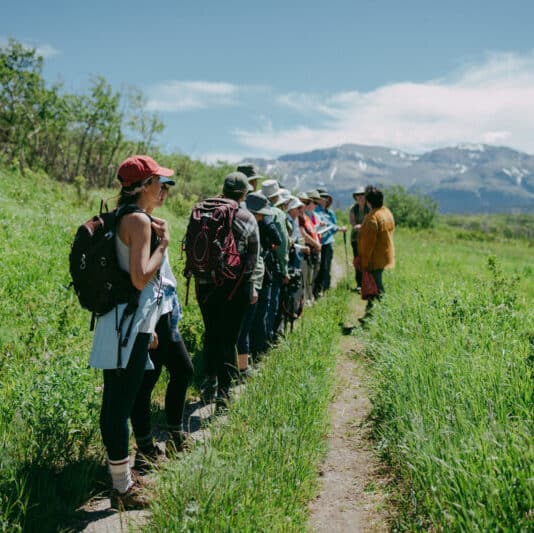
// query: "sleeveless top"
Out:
[149,310]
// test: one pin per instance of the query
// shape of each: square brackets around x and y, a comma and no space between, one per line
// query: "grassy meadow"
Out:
[51,455]
[451,350]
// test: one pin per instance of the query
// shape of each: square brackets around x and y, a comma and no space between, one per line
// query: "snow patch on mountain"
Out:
[471,147]
[333,173]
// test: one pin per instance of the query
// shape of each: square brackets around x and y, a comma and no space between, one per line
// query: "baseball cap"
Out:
[140,167]
[236,182]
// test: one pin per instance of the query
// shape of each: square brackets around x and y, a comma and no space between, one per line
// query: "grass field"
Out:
[451,346]
[453,350]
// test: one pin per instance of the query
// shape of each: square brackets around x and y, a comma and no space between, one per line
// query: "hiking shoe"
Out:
[208,390]
[133,498]
[245,374]
[148,458]
[221,405]
[177,442]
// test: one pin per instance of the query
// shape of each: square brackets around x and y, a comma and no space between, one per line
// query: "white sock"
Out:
[121,476]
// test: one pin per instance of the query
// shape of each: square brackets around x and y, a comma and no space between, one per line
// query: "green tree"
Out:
[410,210]
[22,95]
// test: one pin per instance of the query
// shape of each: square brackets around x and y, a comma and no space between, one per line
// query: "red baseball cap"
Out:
[138,168]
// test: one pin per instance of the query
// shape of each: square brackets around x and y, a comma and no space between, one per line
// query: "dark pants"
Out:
[222,321]
[258,332]
[243,341]
[120,390]
[322,283]
[175,357]
[354,245]
[377,274]
[274,304]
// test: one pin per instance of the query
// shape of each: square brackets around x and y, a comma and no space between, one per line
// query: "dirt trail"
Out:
[352,495]
[97,517]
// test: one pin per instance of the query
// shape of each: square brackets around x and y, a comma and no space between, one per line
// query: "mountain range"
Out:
[468,178]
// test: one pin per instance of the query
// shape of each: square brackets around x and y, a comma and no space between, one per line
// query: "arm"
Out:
[135,231]
[281,252]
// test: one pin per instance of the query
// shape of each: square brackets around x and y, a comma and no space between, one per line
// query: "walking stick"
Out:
[346,260]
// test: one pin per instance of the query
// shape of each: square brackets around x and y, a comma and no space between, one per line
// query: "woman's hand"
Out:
[160,226]
[254,296]
[154,343]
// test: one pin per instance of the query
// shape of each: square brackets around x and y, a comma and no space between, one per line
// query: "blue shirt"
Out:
[329,227]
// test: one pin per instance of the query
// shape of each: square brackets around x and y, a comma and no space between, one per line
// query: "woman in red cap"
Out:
[122,336]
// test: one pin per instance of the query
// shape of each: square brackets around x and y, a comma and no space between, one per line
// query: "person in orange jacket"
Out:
[375,239]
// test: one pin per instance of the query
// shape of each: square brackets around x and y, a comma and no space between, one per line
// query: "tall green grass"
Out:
[259,468]
[50,447]
[453,350]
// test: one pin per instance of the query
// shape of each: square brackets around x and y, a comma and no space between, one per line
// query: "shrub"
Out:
[410,210]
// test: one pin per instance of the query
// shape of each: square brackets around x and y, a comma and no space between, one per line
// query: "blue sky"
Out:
[242,78]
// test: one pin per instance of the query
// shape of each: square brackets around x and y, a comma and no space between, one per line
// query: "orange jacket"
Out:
[375,240]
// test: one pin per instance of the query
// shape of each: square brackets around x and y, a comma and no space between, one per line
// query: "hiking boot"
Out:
[148,458]
[221,405]
[245,374]
[177,442]
[133,498]
[208,390]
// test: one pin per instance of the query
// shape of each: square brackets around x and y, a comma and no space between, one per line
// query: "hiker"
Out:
[168,351]
[292,294]
[271,190]
[251,172]
[141,254]
[223,303]
[310,213]
[376,250]
[311,239]
[356,215]
[270,240]
[296,239]
[327,229]
[258,205]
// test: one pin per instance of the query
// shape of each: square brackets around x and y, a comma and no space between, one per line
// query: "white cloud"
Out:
[490,102]
[46,50]
[43,49]
[191,95]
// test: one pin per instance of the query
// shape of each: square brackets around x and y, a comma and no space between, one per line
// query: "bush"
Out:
[411,210]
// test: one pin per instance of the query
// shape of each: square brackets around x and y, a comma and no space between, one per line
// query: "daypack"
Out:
[97,278]
[292,297]
[209,244]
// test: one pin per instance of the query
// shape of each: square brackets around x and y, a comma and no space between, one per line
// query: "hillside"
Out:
[462,179]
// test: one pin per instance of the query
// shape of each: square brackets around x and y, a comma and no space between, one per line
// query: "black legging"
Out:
[175,357]
[120,391]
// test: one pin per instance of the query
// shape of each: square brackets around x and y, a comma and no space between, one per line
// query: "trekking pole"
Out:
[346,260]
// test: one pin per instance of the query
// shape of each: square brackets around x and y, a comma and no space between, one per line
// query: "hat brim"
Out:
[162,171]
[164,179]
[264,211]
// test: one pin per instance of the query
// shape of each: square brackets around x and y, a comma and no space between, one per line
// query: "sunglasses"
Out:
[164,187]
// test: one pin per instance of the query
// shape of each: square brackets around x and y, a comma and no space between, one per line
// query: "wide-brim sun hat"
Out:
[294,203]
[284,197]
[314,195]
[270,188]
[358,192]
[258,203]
